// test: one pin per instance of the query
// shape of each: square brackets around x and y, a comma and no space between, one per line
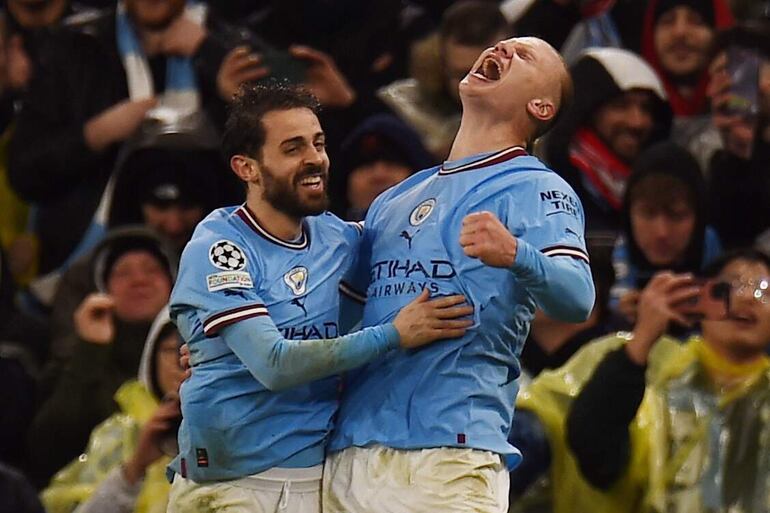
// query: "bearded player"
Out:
[257,301]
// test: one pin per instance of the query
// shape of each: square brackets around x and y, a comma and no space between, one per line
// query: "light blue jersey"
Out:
[460,393]
[232,271]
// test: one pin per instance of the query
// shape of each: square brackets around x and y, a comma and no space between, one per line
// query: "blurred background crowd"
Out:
[110,114]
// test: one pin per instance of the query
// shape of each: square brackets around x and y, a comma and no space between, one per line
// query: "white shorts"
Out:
[383,480]
[278,490]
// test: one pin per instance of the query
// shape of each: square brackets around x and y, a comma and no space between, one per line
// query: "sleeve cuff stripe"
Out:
[566,251]
[352,293]
[358,225]
[219,321]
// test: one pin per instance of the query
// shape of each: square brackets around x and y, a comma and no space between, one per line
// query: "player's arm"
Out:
[280,363]
[356,280]
[560,283]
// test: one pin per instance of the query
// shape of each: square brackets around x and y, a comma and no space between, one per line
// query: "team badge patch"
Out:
[296,279]
[421,212]
[226,255]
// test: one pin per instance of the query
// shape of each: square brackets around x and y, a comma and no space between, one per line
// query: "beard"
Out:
[286,195]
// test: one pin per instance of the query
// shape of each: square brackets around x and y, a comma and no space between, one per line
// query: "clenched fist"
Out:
[93,319]
[483,236]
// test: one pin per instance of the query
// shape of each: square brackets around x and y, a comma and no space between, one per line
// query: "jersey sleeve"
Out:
[550,218]
[352,286]
[551,258]
[217,283]
[356,280]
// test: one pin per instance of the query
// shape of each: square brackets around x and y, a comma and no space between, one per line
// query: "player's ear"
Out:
[541,109]
[245,168]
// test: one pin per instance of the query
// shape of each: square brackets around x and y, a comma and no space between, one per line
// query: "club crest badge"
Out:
[422,212]
[226,255]
[296,279]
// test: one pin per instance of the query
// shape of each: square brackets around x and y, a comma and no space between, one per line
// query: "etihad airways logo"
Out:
[408,268]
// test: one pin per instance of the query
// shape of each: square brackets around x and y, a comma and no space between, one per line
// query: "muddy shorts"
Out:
[278,490]
[383,480]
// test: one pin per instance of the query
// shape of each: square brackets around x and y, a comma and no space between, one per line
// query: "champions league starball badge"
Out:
[226,255]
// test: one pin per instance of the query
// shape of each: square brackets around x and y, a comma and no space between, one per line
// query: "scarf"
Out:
[181,94]
[603,174]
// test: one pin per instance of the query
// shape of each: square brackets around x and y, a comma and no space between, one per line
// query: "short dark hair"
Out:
[663,191]
[473,22]
[244,132]
[750,255]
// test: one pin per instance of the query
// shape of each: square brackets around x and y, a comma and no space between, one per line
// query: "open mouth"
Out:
[743,318]
[489,69]
[313,182]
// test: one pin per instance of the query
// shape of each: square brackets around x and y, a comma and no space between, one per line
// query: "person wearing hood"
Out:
[169,190]
[677,36]
[665,227]
[77,283]
[381,152]
[166,186]
[659,425]
[123,468]
[740,173]
[619,109]
[133,276]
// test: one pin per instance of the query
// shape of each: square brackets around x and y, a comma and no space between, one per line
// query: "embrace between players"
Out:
[270,295]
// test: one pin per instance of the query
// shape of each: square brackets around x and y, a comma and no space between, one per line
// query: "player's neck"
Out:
[479,135]
[278,223]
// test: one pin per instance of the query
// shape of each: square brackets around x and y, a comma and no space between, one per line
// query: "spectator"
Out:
[31,27]
[14,240]
[123,468]
[664,224]
[549,479]
[134,277]
[676,41]
[429,101]
[688,432]
[165,188]
[619,110]
[170,190]
[740,174]
[368,40]
[27,29]
[381,152]
[77,283]
[96,92]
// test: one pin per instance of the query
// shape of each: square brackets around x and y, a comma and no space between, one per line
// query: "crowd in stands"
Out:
[110,118]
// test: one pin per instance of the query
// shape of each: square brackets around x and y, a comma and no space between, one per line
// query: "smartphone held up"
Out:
[714,302]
